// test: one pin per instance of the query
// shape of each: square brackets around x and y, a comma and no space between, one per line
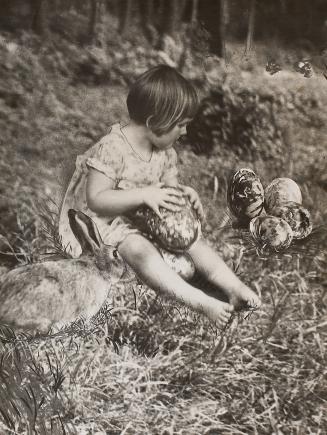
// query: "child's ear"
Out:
[148,122]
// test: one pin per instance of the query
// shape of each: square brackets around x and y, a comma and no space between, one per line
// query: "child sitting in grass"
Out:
[132,167]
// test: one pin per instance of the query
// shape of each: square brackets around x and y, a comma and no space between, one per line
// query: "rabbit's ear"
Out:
[85,231]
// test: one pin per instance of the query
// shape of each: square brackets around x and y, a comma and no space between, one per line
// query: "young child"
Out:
[131,167]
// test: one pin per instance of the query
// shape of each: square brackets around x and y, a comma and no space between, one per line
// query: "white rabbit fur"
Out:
[51,294]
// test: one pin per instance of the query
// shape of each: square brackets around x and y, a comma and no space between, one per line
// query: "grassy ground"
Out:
[154,367]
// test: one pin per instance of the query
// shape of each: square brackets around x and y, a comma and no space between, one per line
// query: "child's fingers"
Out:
[171,206]
[155,208]
[193,197]
[193,200]
[174,200]
[174,192]
[201,216]
[184,188]
[196,204]
[199,209]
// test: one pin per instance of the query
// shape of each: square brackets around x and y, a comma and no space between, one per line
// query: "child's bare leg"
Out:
[148,264]
[208,263]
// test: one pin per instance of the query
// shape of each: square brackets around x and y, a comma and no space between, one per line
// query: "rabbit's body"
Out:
[52,294]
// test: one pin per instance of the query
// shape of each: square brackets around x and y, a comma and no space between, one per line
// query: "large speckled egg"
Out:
[245,194]
[181,263]
[176,231]
[271,233]
[296,216]
[281,190]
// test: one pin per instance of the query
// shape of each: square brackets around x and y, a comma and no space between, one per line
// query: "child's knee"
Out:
[135,247]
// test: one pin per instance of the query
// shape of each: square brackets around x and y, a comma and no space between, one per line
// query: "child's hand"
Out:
[160,196]
[194,199]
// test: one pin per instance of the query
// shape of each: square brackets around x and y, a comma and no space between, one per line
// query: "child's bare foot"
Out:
[219,312]
[244,298]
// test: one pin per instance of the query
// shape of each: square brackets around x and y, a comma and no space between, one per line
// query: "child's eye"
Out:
[184,123]
[115,253]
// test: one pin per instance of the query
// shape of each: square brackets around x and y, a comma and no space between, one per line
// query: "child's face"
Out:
[167,140]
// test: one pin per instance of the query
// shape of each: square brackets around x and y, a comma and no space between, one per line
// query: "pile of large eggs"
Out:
[274,215]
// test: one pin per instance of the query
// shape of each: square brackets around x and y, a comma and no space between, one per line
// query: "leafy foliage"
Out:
[241,121]
[250,123]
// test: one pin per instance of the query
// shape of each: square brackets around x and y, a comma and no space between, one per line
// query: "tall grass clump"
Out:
[155,367]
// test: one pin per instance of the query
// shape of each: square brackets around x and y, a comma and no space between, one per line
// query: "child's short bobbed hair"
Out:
[161,98]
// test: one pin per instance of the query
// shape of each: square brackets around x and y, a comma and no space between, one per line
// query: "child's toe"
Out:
[227,308]
[254,303]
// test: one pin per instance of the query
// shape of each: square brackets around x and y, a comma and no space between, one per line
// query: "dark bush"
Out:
[239,120]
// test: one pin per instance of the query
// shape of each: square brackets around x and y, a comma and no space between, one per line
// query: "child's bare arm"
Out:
[103,199]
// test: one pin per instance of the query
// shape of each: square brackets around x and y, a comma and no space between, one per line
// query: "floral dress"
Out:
[114,157]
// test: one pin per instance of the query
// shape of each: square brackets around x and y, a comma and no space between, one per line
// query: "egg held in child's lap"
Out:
[176,231]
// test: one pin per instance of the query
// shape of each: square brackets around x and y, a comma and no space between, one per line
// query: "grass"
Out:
[151,366]
[264,373]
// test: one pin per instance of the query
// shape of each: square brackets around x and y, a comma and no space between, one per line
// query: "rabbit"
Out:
[51,294]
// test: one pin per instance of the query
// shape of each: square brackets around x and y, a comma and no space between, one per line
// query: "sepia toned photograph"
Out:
[163,217]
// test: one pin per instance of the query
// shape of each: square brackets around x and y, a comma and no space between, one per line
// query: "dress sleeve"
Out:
[170,166]
[107,157]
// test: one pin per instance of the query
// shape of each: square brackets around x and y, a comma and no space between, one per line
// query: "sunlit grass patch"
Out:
[169,368]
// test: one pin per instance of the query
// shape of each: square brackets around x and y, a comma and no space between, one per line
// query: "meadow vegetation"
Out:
[150,366]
